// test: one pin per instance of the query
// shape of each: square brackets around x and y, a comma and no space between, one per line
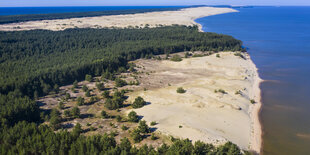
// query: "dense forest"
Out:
[35,17]
[34,63]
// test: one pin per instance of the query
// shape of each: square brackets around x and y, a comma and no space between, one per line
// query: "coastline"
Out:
[256,138]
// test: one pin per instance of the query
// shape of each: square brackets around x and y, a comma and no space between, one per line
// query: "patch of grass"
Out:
[197,55]
[176,58]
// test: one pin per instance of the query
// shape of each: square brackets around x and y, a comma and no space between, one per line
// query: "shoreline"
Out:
[256,138]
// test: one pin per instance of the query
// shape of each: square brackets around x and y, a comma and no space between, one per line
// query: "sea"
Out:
[278,40]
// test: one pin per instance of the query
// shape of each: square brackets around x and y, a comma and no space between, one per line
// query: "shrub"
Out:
[136,136]
[153,123]
[104,114]
[181,90]
[153,137]
[124,127]
[106,94]
[118,118]
[100,86]
[75,112]
[218,55]
[138,103]
[221,91]
[80,101]
[252,101]
[120,83]
[239,55]
[87,93]
[238,92]
[67,113]
[176,58]
[88,78]
[75,84]
[61,105]
[84,88]
[68,96]
[133,117]
[143,127]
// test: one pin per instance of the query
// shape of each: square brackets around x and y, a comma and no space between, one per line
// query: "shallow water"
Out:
[278,40]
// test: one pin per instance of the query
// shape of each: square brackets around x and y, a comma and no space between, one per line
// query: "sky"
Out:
[21,3]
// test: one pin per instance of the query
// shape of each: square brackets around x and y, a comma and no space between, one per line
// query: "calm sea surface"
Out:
[278,40]
[46,10]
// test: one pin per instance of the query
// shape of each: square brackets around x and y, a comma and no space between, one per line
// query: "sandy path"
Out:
[202,113]
[153,19]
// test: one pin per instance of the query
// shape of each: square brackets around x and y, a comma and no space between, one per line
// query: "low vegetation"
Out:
[176,58]
[181,90]
[138,103]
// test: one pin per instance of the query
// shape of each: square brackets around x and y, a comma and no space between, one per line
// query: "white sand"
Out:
[181,17]
[202,113]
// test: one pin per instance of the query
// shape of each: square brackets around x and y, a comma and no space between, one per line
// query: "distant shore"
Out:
[151,19]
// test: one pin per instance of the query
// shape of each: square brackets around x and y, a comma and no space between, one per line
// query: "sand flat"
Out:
[202,113]
[153,19]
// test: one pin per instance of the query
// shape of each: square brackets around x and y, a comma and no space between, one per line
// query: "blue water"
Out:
[46,10]
[278,40]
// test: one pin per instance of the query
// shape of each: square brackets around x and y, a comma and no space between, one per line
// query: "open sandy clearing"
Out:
[201,113]
[153,19]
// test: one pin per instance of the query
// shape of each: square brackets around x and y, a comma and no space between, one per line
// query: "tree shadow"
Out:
[82,116]
[153,129]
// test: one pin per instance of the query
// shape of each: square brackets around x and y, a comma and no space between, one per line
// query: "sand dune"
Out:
[153,19]
[200,113]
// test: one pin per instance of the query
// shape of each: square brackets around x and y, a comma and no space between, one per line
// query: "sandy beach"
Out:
[151,19]
[201,113]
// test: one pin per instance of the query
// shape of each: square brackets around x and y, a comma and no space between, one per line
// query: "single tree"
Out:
[138,103]
[75,112]
[133,117]
[104,114]
[143,127]
[136,136]
[80,101]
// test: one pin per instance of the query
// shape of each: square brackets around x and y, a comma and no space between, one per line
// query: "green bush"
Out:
[176,58]
[138,103]
[181,90]
[120,83]
[153,123]
[88,78]
[104,114]
[133,117]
